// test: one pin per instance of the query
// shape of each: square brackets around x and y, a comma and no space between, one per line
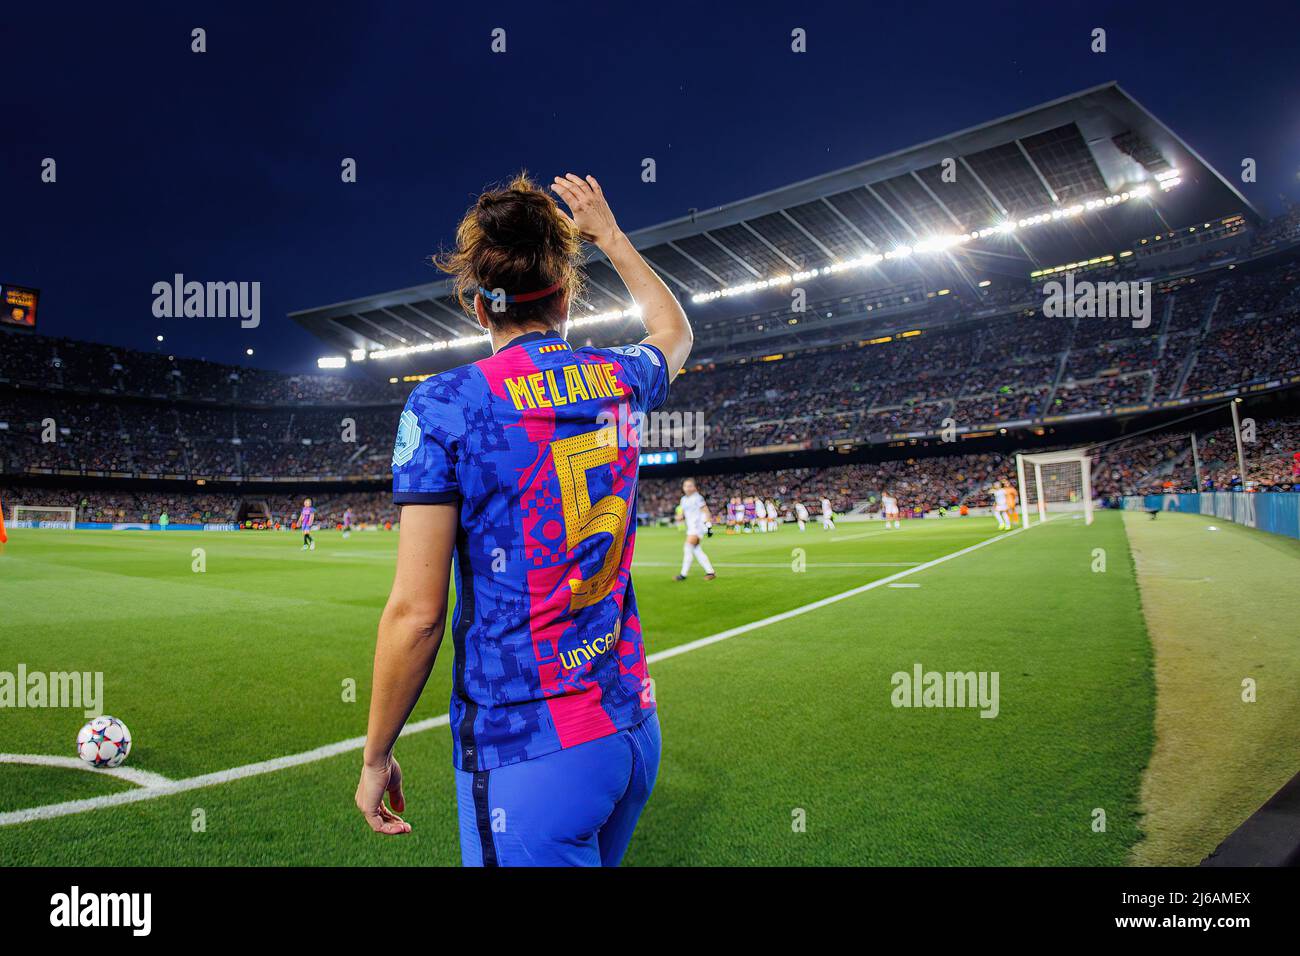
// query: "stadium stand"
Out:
[112,417]
[1160,461]
[895,344]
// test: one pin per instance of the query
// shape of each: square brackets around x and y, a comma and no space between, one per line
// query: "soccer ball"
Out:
[104,742]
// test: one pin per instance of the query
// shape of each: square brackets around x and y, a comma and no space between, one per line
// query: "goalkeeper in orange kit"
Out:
[1012,497]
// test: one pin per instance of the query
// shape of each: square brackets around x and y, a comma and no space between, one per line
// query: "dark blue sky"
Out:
[225,166]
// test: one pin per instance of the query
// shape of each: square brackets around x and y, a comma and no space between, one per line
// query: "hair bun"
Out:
[515,238]
[511,220]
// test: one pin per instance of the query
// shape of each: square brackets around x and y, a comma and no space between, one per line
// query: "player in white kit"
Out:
[828,523]
[695,515]
[772,521]
[801,515]
[760,513]
[889,505]
[1000,506]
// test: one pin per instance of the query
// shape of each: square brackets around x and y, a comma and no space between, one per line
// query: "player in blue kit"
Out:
[514,474]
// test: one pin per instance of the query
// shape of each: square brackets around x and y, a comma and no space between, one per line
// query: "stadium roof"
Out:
[1083,175]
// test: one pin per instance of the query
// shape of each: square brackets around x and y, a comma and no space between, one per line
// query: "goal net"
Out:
[1058,481]
[33,516]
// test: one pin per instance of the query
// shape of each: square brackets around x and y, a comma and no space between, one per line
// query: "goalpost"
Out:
[1059,481]
[35,516]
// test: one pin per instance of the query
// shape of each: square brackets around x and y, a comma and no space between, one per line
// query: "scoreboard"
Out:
[657,458]
[18,305]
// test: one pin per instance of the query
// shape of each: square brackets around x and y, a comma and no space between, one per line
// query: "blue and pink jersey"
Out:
[537,446]
[347,518]
[306,519]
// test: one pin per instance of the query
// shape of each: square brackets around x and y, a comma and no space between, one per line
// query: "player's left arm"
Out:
[410,632]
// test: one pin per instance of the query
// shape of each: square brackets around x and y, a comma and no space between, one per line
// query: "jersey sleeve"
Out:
[428,447]
[647,371]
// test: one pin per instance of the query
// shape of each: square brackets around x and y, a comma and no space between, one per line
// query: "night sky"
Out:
[225,166]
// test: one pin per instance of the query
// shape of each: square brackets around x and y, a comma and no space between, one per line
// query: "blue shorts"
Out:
[574,807]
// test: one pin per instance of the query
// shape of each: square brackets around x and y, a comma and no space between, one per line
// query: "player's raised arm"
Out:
[410,632]
[666,323]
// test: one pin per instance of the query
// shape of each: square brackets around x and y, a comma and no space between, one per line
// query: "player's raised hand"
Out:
[666,323]
[375,782]
[588,210]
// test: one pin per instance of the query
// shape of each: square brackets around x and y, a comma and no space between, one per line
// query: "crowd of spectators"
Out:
[1281,230]
[73,365]
[920,485]
[53,431]
[1153,463]
[1226,330]
[1146,464]
[115,506]
[1272,458]
[76,407]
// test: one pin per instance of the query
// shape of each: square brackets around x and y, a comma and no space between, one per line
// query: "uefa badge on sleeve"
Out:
[408,438]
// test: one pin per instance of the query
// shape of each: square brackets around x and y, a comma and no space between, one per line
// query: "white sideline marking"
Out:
[167,787]
[161,789]
[837,538]
[905,585]
[141,778]
[824,602]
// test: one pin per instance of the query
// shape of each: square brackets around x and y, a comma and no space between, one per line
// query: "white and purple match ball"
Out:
[104,742]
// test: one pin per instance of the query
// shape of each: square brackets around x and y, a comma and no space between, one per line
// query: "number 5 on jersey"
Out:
[584,517]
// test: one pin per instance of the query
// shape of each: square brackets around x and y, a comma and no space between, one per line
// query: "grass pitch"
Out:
[1220,604]
[781,745]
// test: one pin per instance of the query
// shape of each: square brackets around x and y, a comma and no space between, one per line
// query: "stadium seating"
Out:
[1132,466]
[993,359]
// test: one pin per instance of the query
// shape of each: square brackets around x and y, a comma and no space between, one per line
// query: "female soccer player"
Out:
[696,516]
[307,524]
[513,474]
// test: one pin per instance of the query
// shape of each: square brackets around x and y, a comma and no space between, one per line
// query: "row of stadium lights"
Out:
[1166,180]
[361,355]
